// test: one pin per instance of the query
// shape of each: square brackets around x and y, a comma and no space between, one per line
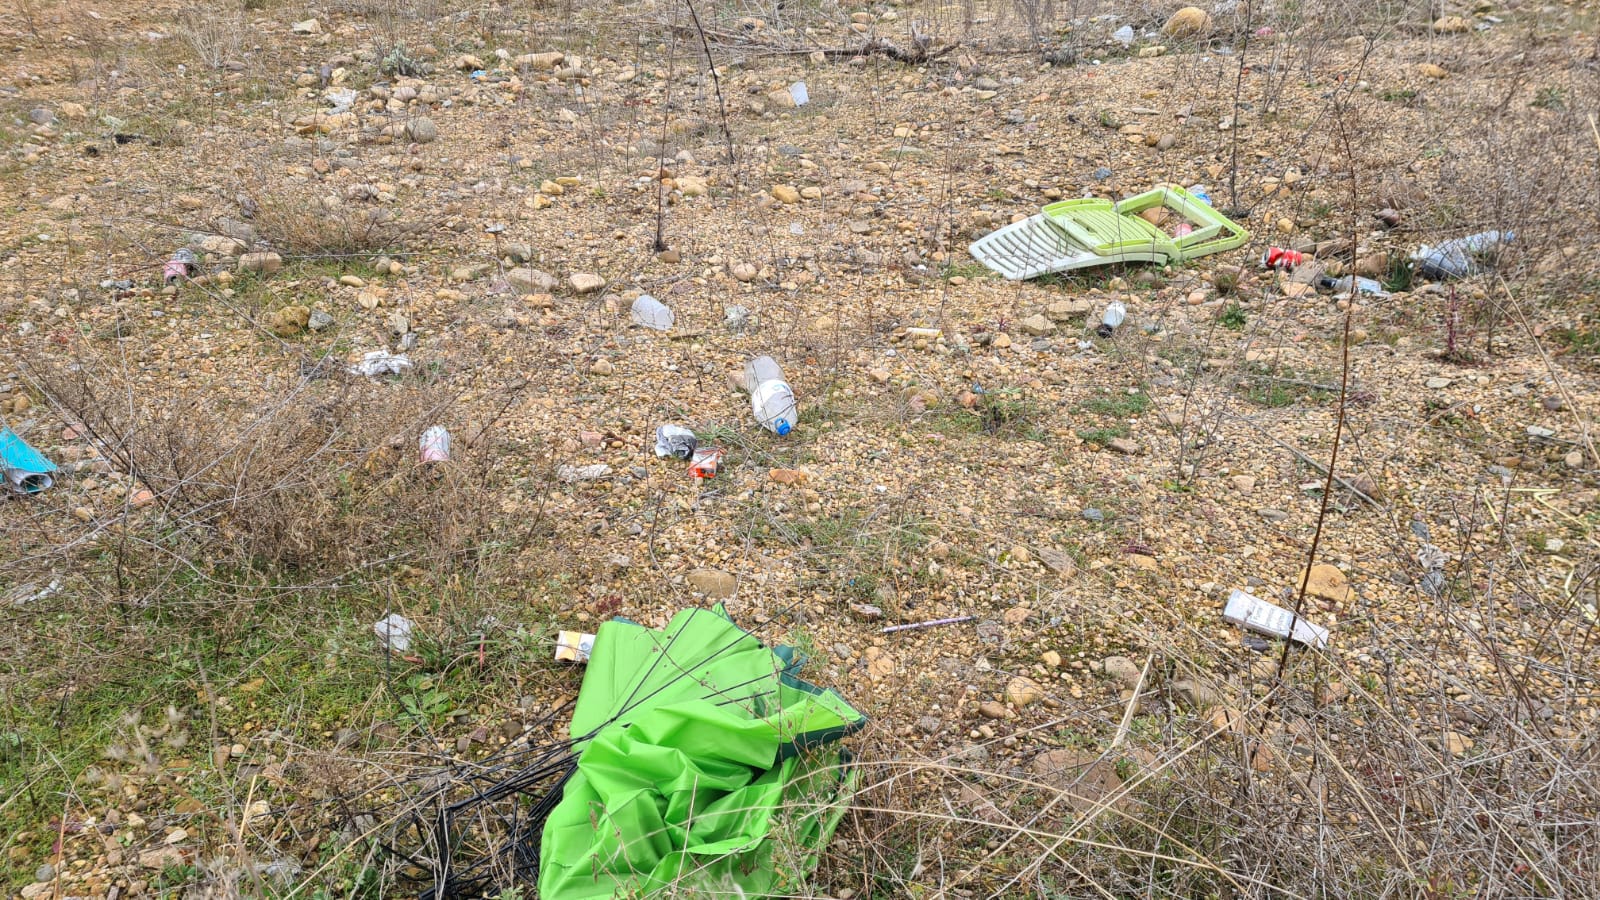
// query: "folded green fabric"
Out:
[704,761]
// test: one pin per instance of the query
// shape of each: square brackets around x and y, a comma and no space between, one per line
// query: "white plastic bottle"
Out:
[771,398]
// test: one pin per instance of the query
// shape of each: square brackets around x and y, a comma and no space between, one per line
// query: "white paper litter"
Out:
[1256,614]
[394,632]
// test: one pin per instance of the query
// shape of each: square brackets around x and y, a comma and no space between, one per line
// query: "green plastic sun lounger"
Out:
[1079,234]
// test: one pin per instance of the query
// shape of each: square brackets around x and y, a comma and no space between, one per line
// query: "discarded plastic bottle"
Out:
[1352,284]
[22,468]
[1456,258]
[1113,317]
[1199,193]
[434,445]
[771,398]
[652,313]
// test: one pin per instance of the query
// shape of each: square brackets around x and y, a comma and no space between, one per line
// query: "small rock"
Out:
[531,281]
[602,366]
[289,321]
[319,320]
[1087,781]
[1437,383]
[744,272]
[1051,658]
[1195,694]
[264,263]
[1166,141]
[422,130]
[1122,669]
[41,116]
[161,858]
[83,514]
[1244,484]
[1190,21]
[866,611]
[586,283]
[712,582]
[1124,446]
[306,27]
[1037,325]
[1022,691]
[783,193]
[1057,561]
[1452,742]
[787,476]
[1063,310]
[925,724]
[989,709]
[1451,25]
[1328,583]
[1429,70]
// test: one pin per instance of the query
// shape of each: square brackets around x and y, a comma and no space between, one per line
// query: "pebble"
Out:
[1437,383]
[422,130]
[991,709]
[586,283]
[1124,446]
[263,263]
[1190,21]
[1037,325]
[712,582]
[1122,670]
[602,367]
[784,193]
[1022,691]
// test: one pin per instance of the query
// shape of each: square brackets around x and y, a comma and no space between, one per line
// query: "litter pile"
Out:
[699,760]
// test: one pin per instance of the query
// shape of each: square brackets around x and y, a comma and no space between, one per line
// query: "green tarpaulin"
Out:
[711,766]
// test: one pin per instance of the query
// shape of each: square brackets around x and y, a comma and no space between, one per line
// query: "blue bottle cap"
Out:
[782,428]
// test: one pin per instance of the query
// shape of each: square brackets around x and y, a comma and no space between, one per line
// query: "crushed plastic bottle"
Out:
[652,313]
[1123,35]
[1460,257]
[771,398]
[1353,285]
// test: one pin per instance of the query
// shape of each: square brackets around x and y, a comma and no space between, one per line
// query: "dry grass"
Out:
[298,224]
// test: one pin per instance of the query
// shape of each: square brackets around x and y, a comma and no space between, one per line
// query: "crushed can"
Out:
[183,264]
[1281,258]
